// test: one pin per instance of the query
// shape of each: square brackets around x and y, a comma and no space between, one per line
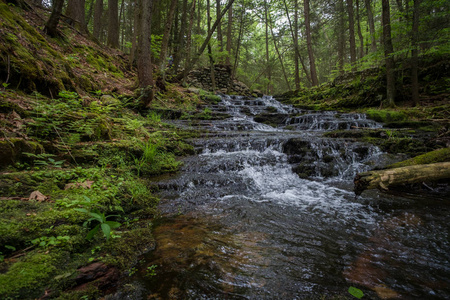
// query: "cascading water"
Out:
[268,212]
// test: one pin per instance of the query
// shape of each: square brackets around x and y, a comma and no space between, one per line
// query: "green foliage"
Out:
[46,242]
[355,292]
[103,224]
[151,271]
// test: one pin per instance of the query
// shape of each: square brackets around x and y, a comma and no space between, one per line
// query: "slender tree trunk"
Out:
[269,71]
[296,44]
[229,35]
[312,63]
[179,53]
[211,59]
[205,43]
[189,34]
[238,46]
[415,54]
[145,69]
[373,45]
[98,12]
[219,26]
[136,32]
[52,24]
[351,26]
[89,14]
[279,54]
[358,24]
[166,37]
[296,54]
[122,27]
[388,54]
[341,36]
[113,23]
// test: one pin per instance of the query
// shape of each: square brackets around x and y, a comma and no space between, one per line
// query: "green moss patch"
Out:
[440,155]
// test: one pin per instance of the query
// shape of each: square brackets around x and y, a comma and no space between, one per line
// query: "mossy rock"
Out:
[384,116]
[436,156]
[11,150]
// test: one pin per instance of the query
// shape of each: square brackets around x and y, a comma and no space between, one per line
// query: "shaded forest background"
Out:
[272,46]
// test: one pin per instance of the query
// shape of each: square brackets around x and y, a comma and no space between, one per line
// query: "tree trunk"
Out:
[384,179]
[75,11]
[238,46]
[296,54]
[113,23]
[166,37]
[351,27]
[341,36]
[229,35]
[219,27]
[211,59]
[268,68]
[415,53]
[388,54]
[52,25]
[98,12]
[189,33]
[279,55]
[371,25]
[205,43]
[179,47]
[312,63]
[296,45]
[136,31]
[360,35]
[145,70]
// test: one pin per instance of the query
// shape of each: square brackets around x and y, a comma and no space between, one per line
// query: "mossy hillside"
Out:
[34,62]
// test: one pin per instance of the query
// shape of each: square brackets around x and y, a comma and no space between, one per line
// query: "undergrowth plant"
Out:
[103,224]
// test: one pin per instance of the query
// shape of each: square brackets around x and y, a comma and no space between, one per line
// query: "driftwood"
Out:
[383,179]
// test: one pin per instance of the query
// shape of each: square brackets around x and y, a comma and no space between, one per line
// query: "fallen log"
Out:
[384,179]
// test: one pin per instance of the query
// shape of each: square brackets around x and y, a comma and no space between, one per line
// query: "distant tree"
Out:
[388,54]
[98,13]
[75,11]
[166,35]
[415,53]
[373,45]
[229,35]
[145,68]
[113,23]
[51,27]
[351,27]
[312,63]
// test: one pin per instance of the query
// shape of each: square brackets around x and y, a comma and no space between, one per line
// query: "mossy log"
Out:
[383,179]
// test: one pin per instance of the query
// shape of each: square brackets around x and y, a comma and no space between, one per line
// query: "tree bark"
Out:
[296,45]
[415,54]
[219,27]
[388,54]
[145,70]
[312,63]
[179,47]
[75,11]
[166,37]
[279,55]
[296,54]
[384,179]
[98,12]
[136,31]
[351,27]
[52,25]
[268,68]
[371,25]
[229,35]
[360,35]
[341,36]
[211,59]
[113,23]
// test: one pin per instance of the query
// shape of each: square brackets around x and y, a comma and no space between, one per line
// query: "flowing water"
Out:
[266,212]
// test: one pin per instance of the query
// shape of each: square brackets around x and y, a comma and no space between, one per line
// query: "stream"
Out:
[268,212]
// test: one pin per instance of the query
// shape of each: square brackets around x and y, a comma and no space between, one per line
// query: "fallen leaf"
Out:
[36,195]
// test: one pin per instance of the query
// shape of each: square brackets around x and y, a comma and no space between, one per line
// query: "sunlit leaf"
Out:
[355,292]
